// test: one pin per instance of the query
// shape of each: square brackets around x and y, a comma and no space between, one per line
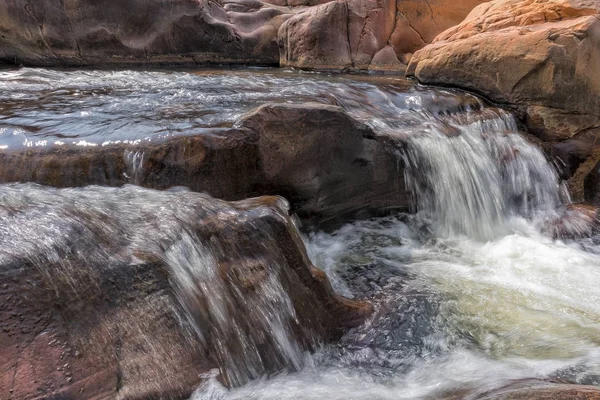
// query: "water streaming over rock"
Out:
[134,160]
[471,292]
[231,290]
[243,346]
[472,180]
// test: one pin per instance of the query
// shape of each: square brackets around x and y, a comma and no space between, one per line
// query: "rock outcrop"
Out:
[118,293]
[326,163]
[177,32]
[537,390]
[376,35]
[357,34]
[540,57]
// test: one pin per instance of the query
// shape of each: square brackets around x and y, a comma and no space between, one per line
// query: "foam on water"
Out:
[452,314]
[470,294]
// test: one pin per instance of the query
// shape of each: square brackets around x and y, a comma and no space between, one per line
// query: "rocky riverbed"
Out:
[300,221]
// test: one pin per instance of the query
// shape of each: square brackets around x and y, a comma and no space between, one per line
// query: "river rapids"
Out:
[471,289]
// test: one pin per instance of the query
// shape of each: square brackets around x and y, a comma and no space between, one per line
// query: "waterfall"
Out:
[134,162]
[248,331]
[472,181]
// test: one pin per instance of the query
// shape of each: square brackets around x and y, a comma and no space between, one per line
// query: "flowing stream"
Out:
[471,291]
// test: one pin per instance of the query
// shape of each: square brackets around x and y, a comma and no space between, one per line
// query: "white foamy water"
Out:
[470,295]
[453,314]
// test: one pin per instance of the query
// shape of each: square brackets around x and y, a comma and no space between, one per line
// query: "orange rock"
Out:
[541,56]
[378,35]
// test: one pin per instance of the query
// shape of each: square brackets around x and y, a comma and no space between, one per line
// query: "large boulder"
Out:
[541,57]
[378,35]
[320,158]
[132,293]
[327,164]
[190,32]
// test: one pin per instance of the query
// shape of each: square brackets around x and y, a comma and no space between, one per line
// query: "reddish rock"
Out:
[379,35]
[96,310]
[180,32]
[541,57]
[326,163]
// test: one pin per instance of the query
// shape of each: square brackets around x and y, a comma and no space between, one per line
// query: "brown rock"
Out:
[539,56]
[326,163]
[306,40]
[365,34]
[97,309]
[543,391]
[584,185]
[576,221]
[182,32]
[225,164]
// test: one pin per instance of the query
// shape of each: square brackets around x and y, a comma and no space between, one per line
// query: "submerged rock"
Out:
[576,221]
[537,390]
[327,164]
[132,293]
[541,57]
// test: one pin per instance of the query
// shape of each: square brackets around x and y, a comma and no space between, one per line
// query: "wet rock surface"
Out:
[326,163]
[542,391]
[98,301]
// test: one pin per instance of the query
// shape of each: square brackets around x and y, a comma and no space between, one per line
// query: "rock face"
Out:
[117,293]
[536,390]
[321,158]
[326,163]
[189,32]
[541,57]
[359,35]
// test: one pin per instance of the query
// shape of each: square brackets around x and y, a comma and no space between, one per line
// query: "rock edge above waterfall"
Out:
[540,57]
[105,320]
[328,165]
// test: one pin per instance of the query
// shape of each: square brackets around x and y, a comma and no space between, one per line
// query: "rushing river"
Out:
[471,291]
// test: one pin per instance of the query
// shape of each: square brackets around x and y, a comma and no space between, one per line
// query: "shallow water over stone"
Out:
[41,107]
[474,290]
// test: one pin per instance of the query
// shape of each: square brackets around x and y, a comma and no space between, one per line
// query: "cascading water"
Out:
[472,292]
[238,343]
[80,240]
[135,165]
[472,181]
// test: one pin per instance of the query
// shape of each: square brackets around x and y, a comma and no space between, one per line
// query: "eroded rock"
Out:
[326,163]
[378,35]
[179,32]
[541,57]
[117,293]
